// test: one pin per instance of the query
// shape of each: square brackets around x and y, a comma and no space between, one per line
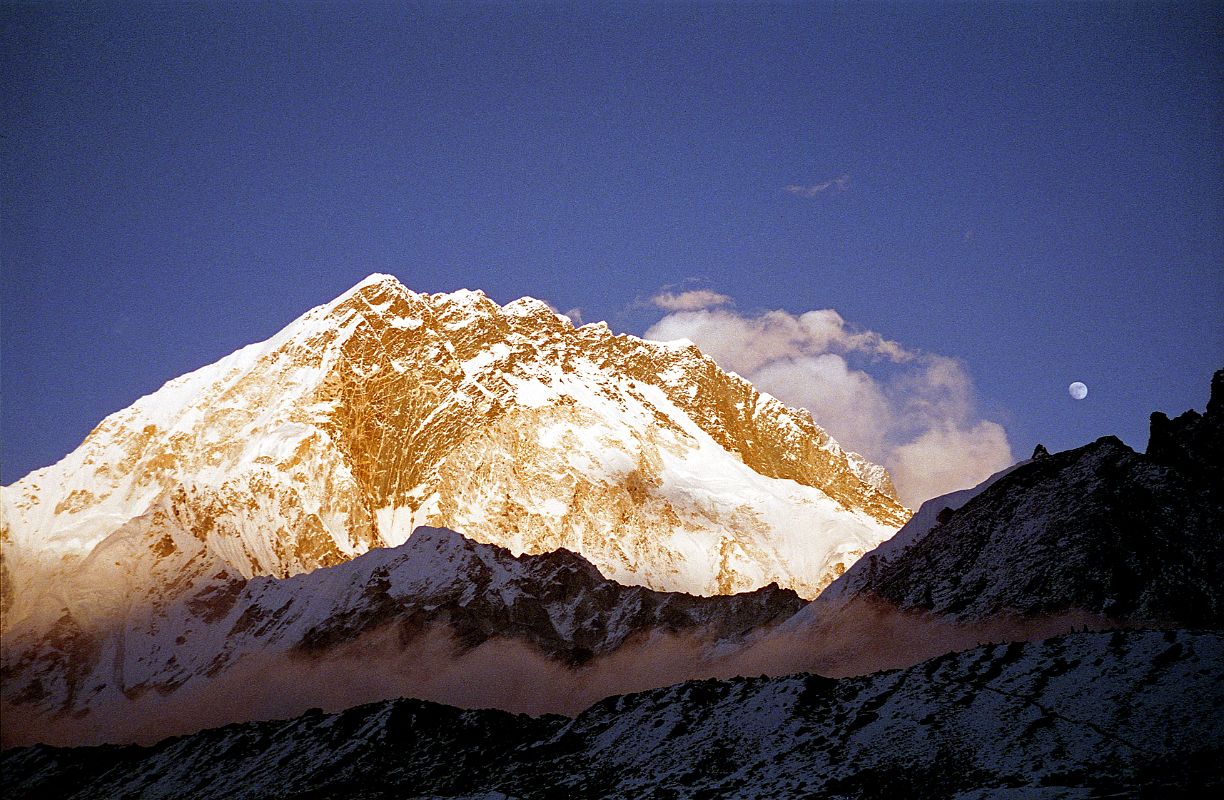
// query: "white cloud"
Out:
[913,412]
[831,390]
[841,183]
[692,300]
[748,343]
[946,458]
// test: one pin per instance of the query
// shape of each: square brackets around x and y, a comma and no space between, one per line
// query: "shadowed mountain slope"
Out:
[1100,529]
[398,602]
[1071,717]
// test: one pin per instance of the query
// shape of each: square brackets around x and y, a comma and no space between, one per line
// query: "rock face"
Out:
[1193,443]
[1078,716]
[385,410]
[556,605]
[1100,529]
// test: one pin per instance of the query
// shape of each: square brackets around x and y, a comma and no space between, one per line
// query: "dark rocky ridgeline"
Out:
[1094,714]
[558,602]
[1136,538]
[1193,443]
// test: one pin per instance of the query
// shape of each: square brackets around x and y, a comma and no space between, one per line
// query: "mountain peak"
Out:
[439,538]
[386,409]
[375,279]
[372,285]
[528,307]
[1193,443]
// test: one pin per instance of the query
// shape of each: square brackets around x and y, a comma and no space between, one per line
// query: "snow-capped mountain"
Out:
[1087,715]
[386,409]
[1100,529]
[425,607]
[1099,533]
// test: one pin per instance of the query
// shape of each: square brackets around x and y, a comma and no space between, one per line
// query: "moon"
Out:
[1077,390]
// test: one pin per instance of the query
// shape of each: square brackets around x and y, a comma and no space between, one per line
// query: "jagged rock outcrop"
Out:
[1193,443]
[1099,529]
[1085,715]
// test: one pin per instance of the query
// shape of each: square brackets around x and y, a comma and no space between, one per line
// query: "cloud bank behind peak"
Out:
[912,411]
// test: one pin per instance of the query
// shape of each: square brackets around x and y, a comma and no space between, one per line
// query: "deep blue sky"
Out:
[1037,189]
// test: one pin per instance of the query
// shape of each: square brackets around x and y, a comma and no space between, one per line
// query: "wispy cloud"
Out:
[692,300]
[840,183]
[910,410]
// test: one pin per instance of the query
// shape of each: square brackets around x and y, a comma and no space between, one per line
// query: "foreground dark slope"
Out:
[1095,538]
[1101,529]
[1100,712]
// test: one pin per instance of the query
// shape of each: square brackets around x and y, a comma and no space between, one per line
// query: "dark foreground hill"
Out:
[1116,714]
[1132,537]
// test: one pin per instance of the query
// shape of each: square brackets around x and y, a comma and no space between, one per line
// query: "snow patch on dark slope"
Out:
[1075,716]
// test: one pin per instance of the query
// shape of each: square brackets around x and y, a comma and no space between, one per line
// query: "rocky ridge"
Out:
[1193,443]
[1133,537]
[932,512]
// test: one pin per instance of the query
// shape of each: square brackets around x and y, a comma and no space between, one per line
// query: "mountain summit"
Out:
[386,410]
